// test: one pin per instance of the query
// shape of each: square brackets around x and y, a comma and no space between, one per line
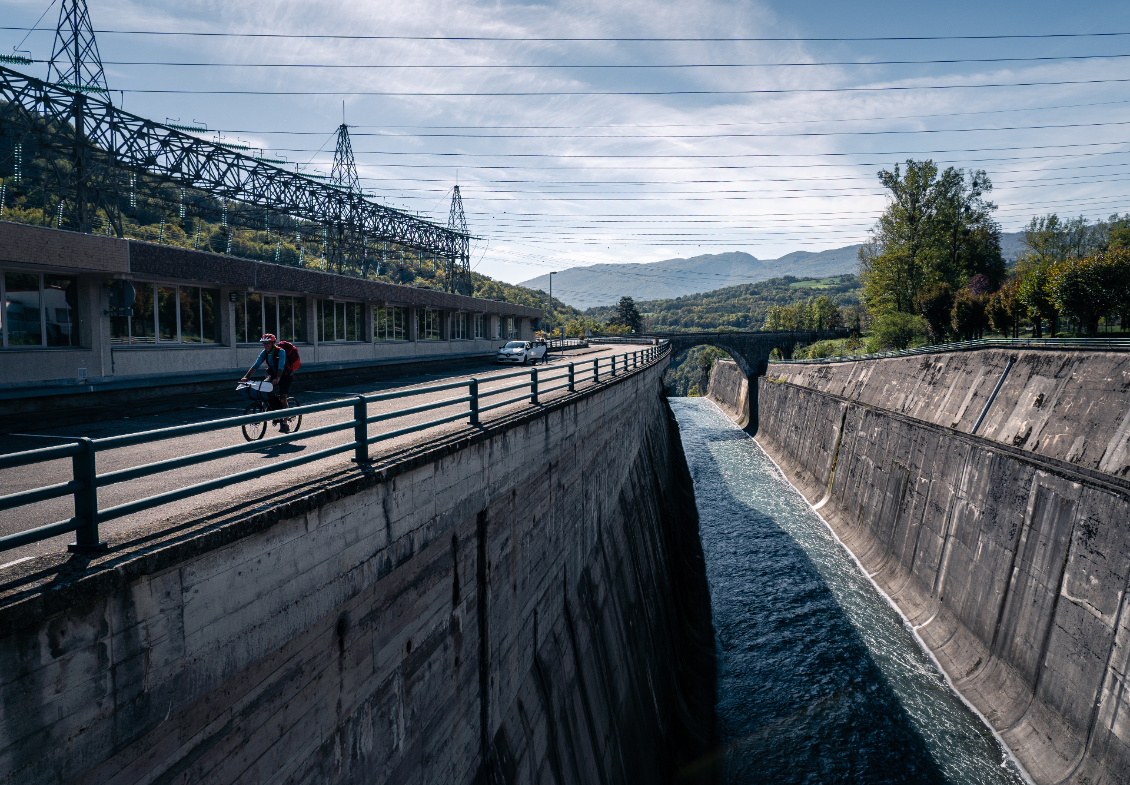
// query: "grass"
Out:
[823,283]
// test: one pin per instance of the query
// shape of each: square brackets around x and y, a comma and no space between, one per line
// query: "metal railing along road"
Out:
[86,480]
[1122,344]
[567,343]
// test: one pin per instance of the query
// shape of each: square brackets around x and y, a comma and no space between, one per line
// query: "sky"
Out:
[659,130]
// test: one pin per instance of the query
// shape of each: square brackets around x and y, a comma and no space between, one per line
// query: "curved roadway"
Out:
[23,478]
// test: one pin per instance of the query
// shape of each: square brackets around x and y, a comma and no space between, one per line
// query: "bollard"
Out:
[86,501]
[360,430]
[534,387]
[474,392]
[572,381]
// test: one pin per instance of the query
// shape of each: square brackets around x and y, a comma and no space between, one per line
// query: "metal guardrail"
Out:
[1122,344]
[567,343]
[85,479]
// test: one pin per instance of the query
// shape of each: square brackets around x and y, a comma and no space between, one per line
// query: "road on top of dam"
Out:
[26,436]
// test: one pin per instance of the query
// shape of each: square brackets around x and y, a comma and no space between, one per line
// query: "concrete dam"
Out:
[520,603]
[985,493]
[528,601]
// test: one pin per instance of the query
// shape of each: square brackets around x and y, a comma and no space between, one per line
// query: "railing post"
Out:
[474,392]
[572,382]
[534,386]
[86,501]
[360,430]
[596,370]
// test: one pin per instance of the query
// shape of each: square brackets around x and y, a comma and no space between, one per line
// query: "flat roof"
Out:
[58,249]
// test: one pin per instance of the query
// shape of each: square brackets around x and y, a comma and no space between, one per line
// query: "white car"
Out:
[522,352]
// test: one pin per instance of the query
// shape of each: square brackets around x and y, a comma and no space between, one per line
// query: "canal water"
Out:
[819,678]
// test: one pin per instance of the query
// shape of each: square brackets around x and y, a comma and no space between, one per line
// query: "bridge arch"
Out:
[750,350]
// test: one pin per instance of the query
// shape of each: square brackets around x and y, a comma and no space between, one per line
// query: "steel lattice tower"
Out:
[458,268]
[344,176]
[344,172]
[75,63]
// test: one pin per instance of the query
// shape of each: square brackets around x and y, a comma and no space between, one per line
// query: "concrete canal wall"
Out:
[525,604]
[1008,550]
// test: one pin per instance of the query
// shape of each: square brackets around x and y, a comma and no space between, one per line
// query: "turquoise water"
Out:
[819,679]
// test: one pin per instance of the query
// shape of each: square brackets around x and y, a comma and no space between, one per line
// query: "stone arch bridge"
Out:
[750,350]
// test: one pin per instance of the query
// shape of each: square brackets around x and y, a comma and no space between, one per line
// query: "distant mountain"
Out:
[605,284]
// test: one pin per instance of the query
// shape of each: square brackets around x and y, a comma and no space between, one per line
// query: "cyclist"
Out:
[280,360]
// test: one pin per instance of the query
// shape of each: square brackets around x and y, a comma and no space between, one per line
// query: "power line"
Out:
[729,135]
[617,93]
[684,156]
[604,39]
[710,125]
[613,66]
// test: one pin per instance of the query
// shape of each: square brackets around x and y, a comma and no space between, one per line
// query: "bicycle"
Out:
[255,431]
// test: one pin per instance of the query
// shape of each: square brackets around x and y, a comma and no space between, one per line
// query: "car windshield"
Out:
[515,345]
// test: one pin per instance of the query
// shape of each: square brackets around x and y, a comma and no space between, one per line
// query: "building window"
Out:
[39,310]
[169,314]
[428,324]
[480,326]
[338,321]
[390,323]
[280,315]
[511,328]
[459,327]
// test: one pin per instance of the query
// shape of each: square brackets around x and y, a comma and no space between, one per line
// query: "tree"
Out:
[1006,310]
[969,315]
[1035,293]
[897,330]
[626,315]
[937,229]
[1091,287]
[825,314]
[1118,233]
[935,303]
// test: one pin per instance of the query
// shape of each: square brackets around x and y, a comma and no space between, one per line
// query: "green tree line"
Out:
[932,269]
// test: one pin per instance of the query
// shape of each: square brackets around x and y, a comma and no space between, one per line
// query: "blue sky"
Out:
[554,181]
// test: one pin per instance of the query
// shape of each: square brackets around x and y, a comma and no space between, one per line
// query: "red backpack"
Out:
[293,361]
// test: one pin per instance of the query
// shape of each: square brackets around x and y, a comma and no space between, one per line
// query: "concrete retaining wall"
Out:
[729,388]
[1012,566]
[1074,406]
[522,605]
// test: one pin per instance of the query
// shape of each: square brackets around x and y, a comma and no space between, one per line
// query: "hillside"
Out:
[605,284]
[739,307]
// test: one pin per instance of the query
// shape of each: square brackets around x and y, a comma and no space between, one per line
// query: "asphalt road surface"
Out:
[27,436]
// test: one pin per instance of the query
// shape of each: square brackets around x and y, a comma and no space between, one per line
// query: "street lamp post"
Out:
[551,304]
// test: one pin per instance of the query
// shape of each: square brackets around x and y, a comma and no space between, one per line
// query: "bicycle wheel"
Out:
[294,422]
[253,431]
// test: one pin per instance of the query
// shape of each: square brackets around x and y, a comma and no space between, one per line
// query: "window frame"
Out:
[74,318]
[295,320]
[346,306]
[178,341]
[432,321]
[399,331]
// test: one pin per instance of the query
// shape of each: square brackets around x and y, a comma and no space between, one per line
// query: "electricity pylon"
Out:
[458,266]
[76,65]
[344,176]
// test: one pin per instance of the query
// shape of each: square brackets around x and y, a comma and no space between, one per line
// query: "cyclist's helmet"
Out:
[269,337]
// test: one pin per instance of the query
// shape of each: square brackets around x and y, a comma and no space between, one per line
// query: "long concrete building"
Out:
[65,326]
